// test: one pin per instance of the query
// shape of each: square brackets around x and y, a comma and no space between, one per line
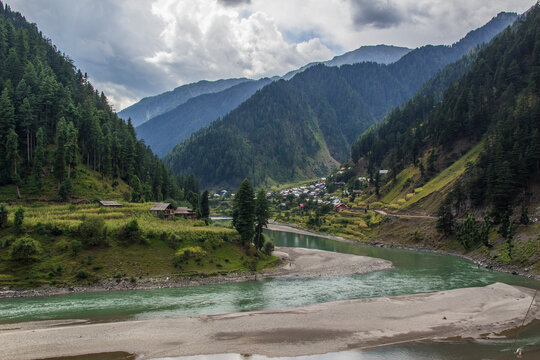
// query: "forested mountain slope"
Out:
[493,111]
[152,106]
[164,131]
[327,108]
[52,120]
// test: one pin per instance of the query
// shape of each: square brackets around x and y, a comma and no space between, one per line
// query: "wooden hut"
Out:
[110,204]
[185,212]
[164,209]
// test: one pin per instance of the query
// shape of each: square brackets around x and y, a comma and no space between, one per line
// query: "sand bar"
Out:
[320,328]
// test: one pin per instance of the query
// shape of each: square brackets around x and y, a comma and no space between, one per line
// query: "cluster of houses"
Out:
[315,192]
[221,194]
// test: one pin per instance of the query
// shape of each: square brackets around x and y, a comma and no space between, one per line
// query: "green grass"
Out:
[56,226]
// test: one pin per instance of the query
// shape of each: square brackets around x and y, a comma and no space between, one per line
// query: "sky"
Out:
[136,48]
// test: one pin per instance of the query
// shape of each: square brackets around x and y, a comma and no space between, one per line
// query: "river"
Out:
[413,272]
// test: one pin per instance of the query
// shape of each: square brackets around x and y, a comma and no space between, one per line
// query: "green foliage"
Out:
[131,233]
[19,219]
[467,233]
[244,212]
[268,246]
[75,246]
[205,209]
[65,189]
[262,214]
[4,212]
[445,220]
[93,231]
[24,249]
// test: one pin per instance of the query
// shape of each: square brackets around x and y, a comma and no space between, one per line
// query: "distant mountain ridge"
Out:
[272,138]
[164,131]
[152,106]
[168,128]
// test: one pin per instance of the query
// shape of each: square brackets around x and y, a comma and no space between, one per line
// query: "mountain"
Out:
[164,131]
[152,106]
[470,156]
[60,136]
[493,108]
[271,138]
[381,54]
[199,111]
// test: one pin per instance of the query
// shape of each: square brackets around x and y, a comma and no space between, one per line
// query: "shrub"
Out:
[75,246]
[92,230]
[24,249]
[81,275]
[131,233]
[19,219]
[65,190]
[268,246]
[195,252]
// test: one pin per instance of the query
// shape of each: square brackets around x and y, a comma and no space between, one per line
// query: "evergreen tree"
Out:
[205,209]
[262,214]
[39,159]
[4,212]
[244,212]
[19,219]
[12,158]
[445,221]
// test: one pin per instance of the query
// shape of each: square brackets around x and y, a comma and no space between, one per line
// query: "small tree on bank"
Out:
[262,214]
[244,212]
[205,208]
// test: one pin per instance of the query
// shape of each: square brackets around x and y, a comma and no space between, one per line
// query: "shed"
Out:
[165,209]
[185,212]
[110,204]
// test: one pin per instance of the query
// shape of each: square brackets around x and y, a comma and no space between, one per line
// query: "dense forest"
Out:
[51,119]
[296,129]
[496,103]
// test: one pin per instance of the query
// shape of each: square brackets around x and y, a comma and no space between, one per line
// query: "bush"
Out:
[195,252]
[131,233]
[81,275]
[75,246]
[268,246]
[24,249]
[65,189]
[92,230]
[19,219]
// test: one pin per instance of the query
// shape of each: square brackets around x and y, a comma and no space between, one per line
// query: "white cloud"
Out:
[206,39]
[136,48]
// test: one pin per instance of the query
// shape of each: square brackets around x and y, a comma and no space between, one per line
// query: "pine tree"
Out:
[262,214]
[12,158]
[205,209]
[244,212]
[39,159]
[445,221]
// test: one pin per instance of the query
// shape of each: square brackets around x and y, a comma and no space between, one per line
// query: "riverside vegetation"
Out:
[46,245]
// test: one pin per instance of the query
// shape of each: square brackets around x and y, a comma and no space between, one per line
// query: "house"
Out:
[185,212]
[80,202]
[340,207]
[357,192]
[110,204]
[165,209]
[282,206]
[340,184]
[383,172]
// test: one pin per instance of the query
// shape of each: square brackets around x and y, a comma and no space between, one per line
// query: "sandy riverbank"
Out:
[483,262]
[296,263]
[321,328]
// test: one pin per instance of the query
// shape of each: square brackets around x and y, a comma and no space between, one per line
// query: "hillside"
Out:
[470,160]
[164,131]
[152,106]
[338,104]
[59,132]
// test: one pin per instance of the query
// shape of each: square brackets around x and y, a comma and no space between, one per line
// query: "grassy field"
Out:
[66,255]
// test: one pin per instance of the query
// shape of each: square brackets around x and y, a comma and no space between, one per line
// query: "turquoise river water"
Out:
[413,272]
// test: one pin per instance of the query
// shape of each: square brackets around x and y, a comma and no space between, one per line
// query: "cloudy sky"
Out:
[136,48]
